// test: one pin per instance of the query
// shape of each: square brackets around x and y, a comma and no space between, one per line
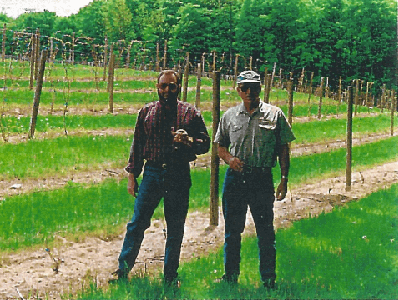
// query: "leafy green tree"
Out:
[118,21]
[250,29]
[90,21]
[192,30]
[44,21]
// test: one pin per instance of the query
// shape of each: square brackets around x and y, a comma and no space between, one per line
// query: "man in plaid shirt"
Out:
[168,135]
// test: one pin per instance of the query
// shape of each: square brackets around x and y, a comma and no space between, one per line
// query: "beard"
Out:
[170,99]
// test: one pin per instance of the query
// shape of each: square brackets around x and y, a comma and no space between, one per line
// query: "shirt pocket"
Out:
[266,133]
[236,133]
[265,124]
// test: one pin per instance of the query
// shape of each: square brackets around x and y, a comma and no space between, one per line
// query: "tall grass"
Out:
[350,253]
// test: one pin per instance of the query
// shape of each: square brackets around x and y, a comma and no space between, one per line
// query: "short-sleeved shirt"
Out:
[255,138]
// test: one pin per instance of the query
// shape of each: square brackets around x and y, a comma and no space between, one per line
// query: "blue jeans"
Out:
[256,191]
[172,185]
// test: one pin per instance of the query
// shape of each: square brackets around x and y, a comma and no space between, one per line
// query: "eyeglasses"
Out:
[253,87]
[172,86]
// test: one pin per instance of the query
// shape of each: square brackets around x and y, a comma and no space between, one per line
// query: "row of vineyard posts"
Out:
[26,46]
[358,93]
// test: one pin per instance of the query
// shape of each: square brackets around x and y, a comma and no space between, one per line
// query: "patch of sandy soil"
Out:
[30,274]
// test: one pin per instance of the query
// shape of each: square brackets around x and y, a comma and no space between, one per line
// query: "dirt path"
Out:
[31,274]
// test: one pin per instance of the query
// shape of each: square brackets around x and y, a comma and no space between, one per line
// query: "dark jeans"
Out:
[172,185]
[256,191]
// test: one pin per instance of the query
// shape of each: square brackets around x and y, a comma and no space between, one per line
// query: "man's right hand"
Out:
[132,185]
[236,164]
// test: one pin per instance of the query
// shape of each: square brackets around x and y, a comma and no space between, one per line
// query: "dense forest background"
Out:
[333,38]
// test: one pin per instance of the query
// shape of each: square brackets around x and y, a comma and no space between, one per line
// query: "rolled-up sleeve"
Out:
[201,142]
[222,135]
[286,133]
[136,159]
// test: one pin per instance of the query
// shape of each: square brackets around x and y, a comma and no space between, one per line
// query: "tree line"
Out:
[333,38]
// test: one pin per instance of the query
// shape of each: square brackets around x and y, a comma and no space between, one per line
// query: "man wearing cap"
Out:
[168,135]
[251,137]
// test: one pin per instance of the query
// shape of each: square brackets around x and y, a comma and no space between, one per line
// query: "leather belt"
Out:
[158,165]
[164,166]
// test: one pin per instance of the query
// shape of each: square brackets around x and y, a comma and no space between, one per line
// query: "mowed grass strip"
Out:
[71,122]
[23,224]
[329,130]
[350,253]
[60,156]
[40,158]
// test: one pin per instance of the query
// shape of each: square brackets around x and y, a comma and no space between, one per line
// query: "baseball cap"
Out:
[248,76]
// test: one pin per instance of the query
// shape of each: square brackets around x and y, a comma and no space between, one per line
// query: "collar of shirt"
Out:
[242,109]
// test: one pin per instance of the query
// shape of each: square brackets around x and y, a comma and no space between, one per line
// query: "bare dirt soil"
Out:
[29,274]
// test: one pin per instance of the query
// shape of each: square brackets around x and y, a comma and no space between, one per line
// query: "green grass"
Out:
[350,253]
[24,209]
[40,159]
[327,130]
[50,122]
[28,220]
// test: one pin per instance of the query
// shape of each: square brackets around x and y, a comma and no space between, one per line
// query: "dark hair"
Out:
[176,75]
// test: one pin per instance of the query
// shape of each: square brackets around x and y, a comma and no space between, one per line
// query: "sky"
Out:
[63,8]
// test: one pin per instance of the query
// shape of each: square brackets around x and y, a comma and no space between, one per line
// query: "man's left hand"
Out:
[181,136]
[281,191]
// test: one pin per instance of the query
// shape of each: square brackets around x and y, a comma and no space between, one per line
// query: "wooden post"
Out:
[73,49]
[236,68]
[266,84]
[3,52]
[51,49]
[198,83]
[356,95]
[36,99]
[339,98]
[32,61]
[111,72]
[215,160]
[366,96]
[37,54]
[105,58]
[251,63]
[383,97]
[157,58]
[273,74]
[214,61]
[203,62]
[320,99]
[393,107]
[301,80]
[186,77]
[349,139]
[290,101]
[165,55]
